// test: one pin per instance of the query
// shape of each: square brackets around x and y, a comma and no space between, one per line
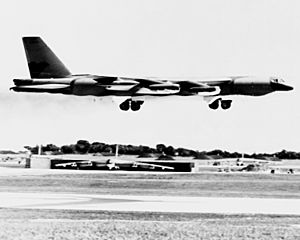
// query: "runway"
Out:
[174,204]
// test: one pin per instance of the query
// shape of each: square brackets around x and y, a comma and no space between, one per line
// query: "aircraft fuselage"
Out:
[87,86]
[50,75]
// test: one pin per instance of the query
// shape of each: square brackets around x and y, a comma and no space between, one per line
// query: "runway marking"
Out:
[127,203]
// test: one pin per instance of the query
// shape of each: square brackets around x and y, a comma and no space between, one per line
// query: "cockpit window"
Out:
[277,80]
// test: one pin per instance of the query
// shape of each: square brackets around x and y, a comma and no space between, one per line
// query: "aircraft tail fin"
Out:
[42,62]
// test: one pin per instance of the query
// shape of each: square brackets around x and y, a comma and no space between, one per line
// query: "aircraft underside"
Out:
[130,104]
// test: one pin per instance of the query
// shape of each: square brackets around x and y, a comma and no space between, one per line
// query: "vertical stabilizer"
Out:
[42,62]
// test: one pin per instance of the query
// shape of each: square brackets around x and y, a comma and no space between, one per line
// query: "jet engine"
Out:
[86,86]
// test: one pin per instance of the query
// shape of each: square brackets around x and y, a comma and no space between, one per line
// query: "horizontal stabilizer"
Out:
[47,88]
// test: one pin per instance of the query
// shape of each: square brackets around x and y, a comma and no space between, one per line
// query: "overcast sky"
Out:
[155,38]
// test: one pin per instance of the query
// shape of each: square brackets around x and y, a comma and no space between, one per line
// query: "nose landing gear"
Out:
[130,104]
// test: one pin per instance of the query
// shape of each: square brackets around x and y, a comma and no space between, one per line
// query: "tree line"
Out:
[84,147]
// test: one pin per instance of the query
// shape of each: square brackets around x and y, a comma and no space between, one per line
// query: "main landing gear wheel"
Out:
[124,106]
[226,104]
[215,104]
[129,104]
[135,106]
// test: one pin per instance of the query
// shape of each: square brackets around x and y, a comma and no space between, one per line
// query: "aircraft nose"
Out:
[281,87]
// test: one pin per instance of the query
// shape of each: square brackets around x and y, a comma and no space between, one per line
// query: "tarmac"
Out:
[165,204]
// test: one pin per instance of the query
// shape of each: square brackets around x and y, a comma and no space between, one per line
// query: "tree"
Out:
[144,149]
[169,151]
[107,149]
[165,157]
[50,148]
[67,149]
[160,148]
[133,150]
[96,147]
[82,146]
[33,150]
[201,155]
[185,152]
[122,149]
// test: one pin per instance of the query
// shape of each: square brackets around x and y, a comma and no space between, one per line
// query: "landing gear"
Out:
[130,104]
[135,105]
[124,106]
[225,104]
[215,104]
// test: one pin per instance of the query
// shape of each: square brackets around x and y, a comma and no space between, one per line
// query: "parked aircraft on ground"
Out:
[112,163]
[49,74]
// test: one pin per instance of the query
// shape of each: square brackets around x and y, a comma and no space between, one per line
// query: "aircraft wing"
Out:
[66,164]
[155,85]
[196,87]
[145,81]
[137,163]
[186,87]
[152,166]
[114,80]
[136,84]
[73,164]
[202,87]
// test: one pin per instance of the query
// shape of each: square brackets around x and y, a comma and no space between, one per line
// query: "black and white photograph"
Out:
[147,120]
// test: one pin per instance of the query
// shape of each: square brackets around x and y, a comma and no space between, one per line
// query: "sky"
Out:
[166,38]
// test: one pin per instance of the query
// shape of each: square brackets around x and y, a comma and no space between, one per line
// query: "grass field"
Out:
[219,184]
[71,224]
[46,224]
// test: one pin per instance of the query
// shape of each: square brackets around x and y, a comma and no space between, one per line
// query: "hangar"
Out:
[128,163]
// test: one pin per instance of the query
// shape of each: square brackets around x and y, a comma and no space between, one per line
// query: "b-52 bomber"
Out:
[49,74]
[112,164]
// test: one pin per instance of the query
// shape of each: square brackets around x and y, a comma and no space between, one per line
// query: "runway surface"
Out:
[149,203]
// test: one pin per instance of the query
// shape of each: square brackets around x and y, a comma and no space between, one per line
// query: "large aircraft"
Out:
[112,163]
[49,74]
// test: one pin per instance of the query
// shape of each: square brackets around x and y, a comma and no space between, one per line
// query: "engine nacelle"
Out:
[86,86]
[84,81]
[203,89]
